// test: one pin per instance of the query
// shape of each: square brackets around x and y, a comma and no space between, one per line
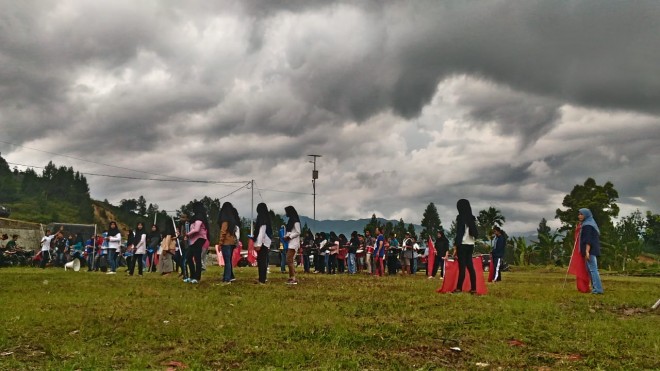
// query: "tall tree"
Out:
[601,200]
[142,206]
[373,223]
[400,229]
[628,241]
[652,233]
[430,222]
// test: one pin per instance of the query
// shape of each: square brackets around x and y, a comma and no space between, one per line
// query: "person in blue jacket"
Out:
[284,246]
[590,247]
[498,253]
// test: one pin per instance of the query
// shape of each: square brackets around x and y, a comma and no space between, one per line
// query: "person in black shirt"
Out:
[442,253]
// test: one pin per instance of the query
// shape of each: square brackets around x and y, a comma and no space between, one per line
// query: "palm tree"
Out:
[548,247]
[487,219]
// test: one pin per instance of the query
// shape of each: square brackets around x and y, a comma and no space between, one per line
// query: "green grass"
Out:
[64,320]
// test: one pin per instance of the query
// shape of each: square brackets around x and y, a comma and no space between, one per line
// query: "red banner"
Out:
[451,277]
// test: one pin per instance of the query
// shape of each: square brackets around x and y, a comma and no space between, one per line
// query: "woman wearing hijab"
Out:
[321,244]
[263,240]
[590,248]
[139,249]
[228,224]
[198,237]
[114,240]
[292,236]
[466,235]
[167,249]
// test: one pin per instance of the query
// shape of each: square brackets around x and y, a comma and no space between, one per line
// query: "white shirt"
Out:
[262,237]
[45,242]
[294,235]
[467,239]
[141,246]
[114,241]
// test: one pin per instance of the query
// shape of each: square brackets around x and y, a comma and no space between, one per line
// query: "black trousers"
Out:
[262,263]
[131,264]
[45,257]
[439,263]
[497,269]
[194,259]
[465,261]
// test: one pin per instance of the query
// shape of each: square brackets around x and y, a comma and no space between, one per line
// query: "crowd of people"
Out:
[182,247]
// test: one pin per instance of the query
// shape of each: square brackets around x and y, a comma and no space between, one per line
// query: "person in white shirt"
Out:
[114,240]
[139,247]
[45,247]
[263,241]
[292,236]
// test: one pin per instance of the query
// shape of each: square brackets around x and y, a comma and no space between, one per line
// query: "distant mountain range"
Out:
[345,226]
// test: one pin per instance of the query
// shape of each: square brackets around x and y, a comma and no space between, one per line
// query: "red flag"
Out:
[451,277]
[491,269]
[578,266]
[237,254]
[431,259]
[252,253]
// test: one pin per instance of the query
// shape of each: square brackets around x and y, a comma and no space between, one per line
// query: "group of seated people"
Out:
[11,254]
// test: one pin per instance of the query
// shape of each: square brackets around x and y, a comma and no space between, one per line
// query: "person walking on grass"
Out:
[139,249]
[590,248]
[228,224]
[292,236]
[198,237]
[466,235]
[263,241]
[114,241]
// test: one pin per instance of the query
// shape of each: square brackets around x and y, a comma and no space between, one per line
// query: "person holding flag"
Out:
[586,250]
[441,254]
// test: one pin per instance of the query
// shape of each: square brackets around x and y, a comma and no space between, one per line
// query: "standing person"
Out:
[284,245]
[263,240]
[184,228]
[130,249]
[197,237]
[308,243]
[442,253]
[369,248]
[45,247]
[321,243]
[466,235]
[352,252]
[167,248]
[228,224]
[407,254]
[89,250]
[153,241]
[292,236]
[114,240]
[139,249]
[590,248]
[498,253]
[379,253]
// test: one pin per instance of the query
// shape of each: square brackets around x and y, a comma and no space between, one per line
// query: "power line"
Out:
[93,162]
[181,180]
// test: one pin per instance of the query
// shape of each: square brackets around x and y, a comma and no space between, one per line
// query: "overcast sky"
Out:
[507,103]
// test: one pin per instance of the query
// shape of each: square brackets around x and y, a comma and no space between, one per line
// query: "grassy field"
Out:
[54,319]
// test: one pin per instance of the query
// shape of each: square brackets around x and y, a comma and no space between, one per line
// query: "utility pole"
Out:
[252,211]
[315,175]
